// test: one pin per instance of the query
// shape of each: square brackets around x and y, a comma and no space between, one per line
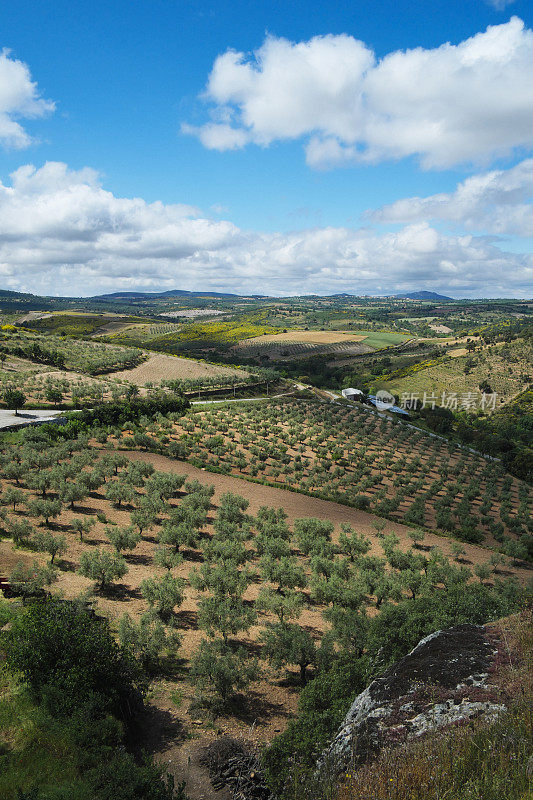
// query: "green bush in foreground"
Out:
[66,692]
[69,660]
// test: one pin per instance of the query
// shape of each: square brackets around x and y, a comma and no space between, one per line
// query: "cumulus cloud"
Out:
[61,232]
[498,201]
[19,98]
[448,105]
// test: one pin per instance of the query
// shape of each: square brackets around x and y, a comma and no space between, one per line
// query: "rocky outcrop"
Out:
[446,680]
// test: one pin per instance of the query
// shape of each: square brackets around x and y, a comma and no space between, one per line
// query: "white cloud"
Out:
[217,135]
[499,5]
[456,103]
[19,98]
[498,201]
[62,233]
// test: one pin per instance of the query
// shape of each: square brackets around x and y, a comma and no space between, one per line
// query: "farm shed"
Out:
[352,394]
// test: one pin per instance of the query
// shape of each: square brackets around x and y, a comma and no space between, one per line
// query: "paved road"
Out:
[237,399]
[26,417]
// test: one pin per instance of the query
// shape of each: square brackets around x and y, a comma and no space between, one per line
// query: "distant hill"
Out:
[9,295]
[169,293]
[441,298]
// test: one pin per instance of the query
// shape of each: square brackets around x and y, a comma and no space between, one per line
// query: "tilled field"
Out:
[158,368]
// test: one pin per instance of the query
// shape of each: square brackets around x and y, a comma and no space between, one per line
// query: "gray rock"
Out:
[443,681]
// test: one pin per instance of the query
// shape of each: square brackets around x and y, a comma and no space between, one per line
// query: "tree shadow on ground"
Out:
[154,729]
[59,527]
[192,555]
[137,558]
[65,565]
[120,591]
[89,510]
[291,680]
[253,707]
[187,620]
[253,649]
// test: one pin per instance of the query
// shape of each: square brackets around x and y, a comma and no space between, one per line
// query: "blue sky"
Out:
[127,82]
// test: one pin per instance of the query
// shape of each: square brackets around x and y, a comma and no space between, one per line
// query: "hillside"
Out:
[424,295]
[234,598]
[257,564]
[349,454]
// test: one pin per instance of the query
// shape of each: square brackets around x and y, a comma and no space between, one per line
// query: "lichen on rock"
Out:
[443,681]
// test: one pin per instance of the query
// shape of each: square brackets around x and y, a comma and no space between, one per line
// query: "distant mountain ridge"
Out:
[423,295]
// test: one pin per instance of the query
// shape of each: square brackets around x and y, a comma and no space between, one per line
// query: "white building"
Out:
[352,394]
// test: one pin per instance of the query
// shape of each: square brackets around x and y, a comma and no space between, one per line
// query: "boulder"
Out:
[444,681]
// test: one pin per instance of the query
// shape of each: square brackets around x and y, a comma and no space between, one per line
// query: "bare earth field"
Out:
[306,337]
[161,367]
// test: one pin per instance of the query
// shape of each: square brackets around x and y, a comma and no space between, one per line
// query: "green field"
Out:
[380,339]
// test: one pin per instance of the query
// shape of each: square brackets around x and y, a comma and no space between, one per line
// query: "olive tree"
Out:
[288,605]
[13,497]
[46,542]
[229,615]
[287,643]
[102,566]
[313,535]
[14,398]
[163,594]
[82,526]
[147,640]
[20,530]
[47,509]
[166,558]
[122,538]
[353,544]
[119,492]
[219,671]
[32,579]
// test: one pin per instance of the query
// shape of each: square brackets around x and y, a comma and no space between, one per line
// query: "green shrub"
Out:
[69,660]
[321,707]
